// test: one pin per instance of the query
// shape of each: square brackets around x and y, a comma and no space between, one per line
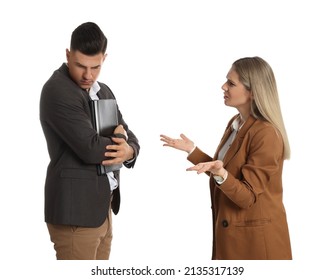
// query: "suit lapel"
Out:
[227,133]
[237,141]
[100,95]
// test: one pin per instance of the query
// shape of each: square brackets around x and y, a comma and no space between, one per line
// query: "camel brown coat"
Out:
[249,219]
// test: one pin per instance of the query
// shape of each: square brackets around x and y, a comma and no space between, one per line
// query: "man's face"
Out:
[84,69]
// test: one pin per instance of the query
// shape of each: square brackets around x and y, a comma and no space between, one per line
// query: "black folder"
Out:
[105,120]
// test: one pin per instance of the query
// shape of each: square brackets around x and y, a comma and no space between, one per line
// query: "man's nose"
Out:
[88,74]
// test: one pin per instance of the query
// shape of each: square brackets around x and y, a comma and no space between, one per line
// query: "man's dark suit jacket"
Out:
[74,193]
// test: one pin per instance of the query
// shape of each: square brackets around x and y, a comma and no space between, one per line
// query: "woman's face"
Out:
[235,93]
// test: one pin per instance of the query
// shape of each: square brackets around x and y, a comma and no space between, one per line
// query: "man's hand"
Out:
[120,130]
[120,151]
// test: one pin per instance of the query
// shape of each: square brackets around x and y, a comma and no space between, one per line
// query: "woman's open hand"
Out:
[183,143]
[215,167]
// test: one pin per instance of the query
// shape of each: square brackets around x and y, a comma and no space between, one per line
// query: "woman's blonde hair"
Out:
[258,77]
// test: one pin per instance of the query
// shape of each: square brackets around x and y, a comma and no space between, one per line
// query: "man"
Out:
[78,201]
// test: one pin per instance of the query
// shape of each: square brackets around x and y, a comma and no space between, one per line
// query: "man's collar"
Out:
[95,88]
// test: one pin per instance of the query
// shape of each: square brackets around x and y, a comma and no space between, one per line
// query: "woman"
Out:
[249,219]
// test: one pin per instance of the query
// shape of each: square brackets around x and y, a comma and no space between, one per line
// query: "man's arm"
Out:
[65,115]
[122,151]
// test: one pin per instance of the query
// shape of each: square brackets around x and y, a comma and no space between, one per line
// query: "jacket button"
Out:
[225,223]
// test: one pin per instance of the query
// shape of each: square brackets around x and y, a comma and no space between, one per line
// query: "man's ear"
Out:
[68,53]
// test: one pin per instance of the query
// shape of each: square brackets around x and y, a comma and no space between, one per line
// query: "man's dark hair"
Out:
[89,39]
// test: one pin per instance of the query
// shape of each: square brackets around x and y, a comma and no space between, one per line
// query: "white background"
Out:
[166,63]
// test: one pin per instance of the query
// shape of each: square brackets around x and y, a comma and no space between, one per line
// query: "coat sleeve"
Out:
[132,141]
[198,156]
[66,121]
[263,164]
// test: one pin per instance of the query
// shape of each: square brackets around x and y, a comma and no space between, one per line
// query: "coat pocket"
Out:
[253,223]
[78,173]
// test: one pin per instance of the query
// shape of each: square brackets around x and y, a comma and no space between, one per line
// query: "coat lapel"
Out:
[237,141]
[227,133]
[101,94]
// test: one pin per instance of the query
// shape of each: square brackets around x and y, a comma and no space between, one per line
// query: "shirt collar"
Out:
[95,88]
[235,124]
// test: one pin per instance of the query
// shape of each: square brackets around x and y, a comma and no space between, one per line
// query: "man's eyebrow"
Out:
[81,65]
